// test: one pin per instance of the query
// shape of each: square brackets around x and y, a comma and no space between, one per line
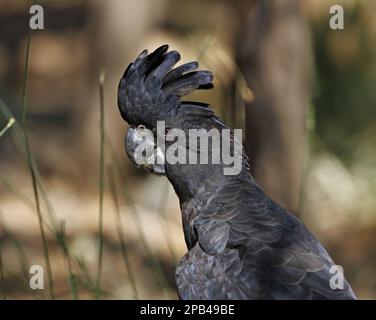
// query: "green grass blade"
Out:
[20,143]
[157,268]
[101,183]
[24,262]
[71,276]
[32,170]
[162,218]
[2,277]
[7,127]
[119,228]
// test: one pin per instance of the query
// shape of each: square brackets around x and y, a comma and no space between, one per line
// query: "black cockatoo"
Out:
[241,244]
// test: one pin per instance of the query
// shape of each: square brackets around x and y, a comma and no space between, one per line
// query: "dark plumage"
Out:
[241,244]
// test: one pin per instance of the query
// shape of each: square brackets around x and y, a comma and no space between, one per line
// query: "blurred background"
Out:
[303,93]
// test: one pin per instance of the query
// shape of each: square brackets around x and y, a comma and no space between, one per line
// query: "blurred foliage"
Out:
[345,99]
[342,119]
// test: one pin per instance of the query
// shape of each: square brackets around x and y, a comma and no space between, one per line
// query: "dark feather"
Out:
[241,244]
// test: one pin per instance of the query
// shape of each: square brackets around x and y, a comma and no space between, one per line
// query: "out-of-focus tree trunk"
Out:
[118,29]
[274,53]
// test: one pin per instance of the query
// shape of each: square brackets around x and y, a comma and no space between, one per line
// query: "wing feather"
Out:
[257,249]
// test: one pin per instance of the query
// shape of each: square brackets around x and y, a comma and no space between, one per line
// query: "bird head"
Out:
[142,150]
[151,91]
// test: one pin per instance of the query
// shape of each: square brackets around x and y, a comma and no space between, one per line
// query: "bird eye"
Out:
[167,131]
